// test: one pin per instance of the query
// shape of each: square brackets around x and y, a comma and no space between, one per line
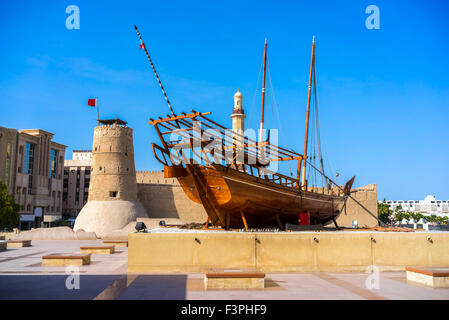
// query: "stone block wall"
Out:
[367,196]
[164,198]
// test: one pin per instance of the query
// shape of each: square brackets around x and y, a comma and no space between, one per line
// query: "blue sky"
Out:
[384,94]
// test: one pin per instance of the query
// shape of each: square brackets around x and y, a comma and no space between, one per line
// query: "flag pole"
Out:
[98,112]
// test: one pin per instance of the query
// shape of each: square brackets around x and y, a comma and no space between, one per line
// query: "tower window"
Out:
[113,194]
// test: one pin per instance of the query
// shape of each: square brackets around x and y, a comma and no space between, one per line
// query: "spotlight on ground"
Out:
[140,226]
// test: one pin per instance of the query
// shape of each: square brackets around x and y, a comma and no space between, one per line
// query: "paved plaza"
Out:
[23,277]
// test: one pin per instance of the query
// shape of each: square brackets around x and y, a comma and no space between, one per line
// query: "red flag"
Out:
[142,45]
[92,102]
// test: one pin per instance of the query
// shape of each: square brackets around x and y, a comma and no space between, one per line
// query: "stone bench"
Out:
[98,249]
[56,260]
[19,243]
[234,278]
[433,277]
[3,245]
[117,243]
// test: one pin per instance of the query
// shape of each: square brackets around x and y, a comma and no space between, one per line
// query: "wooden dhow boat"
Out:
[229,173]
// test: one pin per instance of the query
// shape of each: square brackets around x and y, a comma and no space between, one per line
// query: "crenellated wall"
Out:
[155,177]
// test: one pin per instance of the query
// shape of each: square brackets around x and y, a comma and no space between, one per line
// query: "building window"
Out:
[113,194]
[29,158]
[8,164]
[53,163]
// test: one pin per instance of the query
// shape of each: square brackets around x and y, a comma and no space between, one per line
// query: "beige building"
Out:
[76,182]
[31,164]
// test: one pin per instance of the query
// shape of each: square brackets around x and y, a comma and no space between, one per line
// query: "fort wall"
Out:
[367,196]
[164,198]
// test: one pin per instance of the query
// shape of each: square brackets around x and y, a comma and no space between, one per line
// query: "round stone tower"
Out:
[112,202]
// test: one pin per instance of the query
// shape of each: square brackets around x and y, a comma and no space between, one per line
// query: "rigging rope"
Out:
[255,94]
[274,107]
[317,121]
[142,45]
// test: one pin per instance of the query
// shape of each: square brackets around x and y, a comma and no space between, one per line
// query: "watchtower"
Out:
[112,201]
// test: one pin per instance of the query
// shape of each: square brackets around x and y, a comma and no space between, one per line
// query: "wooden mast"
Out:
[263,91]
[302,163]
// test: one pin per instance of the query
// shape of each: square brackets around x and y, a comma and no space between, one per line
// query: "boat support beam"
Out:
[279,222]
[335,222]
[244,220]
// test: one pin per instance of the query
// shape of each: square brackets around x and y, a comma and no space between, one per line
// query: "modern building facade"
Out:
[428,206]
[76,183]
[31,164]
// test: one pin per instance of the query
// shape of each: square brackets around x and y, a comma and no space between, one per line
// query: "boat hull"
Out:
[261,202]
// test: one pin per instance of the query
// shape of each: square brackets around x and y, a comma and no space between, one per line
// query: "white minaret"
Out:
[238,125]
[238,115]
